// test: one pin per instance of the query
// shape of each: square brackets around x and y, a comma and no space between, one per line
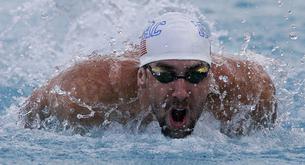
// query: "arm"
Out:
[31,111]
[245,99]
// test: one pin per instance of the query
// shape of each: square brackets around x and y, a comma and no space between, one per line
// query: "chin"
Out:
[176,134]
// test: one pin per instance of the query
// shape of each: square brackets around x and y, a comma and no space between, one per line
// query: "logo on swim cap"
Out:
[202,28]
[153,30]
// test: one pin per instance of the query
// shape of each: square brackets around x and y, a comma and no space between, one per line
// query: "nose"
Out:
[180,90]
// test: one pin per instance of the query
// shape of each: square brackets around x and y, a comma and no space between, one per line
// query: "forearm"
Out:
[32,110]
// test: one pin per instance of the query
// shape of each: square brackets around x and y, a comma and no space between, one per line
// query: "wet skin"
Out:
[82,95]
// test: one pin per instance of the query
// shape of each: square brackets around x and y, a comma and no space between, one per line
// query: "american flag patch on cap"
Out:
[143,49]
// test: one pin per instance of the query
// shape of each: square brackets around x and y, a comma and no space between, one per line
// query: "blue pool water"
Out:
[38,38]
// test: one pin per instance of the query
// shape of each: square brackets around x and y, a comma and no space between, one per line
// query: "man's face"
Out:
[176,103]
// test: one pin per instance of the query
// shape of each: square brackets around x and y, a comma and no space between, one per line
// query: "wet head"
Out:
[176,92]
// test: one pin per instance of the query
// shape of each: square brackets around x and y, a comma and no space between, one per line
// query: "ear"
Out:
[141,78]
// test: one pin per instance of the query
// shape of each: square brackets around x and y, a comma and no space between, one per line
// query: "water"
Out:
[39,38]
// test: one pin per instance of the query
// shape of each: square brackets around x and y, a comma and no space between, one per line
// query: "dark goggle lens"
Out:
[164,77]
[195,77]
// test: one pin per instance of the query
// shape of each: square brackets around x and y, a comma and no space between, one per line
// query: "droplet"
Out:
[238,65]
[20,91]
[303,59]
[44,15]
[79,116]
[247,37]
[112,41]
[293,26]
[289,12]
[286,18]
[163,105]
[293,35]
[280,3]
[275,48]
[239,96]
[223,78]
[243,21]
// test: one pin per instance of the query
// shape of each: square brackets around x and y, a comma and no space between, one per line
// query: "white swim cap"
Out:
[175,36]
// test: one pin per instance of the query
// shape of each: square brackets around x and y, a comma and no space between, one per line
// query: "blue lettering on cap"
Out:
[153,30]
[202,28]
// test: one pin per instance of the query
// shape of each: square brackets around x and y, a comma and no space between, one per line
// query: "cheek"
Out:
[157,97]
[158,92]
[199,95]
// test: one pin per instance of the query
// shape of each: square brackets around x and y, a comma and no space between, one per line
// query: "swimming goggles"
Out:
[193,75]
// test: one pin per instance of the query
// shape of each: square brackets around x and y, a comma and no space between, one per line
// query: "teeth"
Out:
[180,109]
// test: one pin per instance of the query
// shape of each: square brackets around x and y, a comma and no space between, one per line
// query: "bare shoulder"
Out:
[84,89]
[233,73]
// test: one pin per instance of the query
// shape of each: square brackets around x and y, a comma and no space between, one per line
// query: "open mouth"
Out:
[178,118]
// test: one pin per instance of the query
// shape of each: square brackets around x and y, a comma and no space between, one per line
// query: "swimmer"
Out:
[171,78]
